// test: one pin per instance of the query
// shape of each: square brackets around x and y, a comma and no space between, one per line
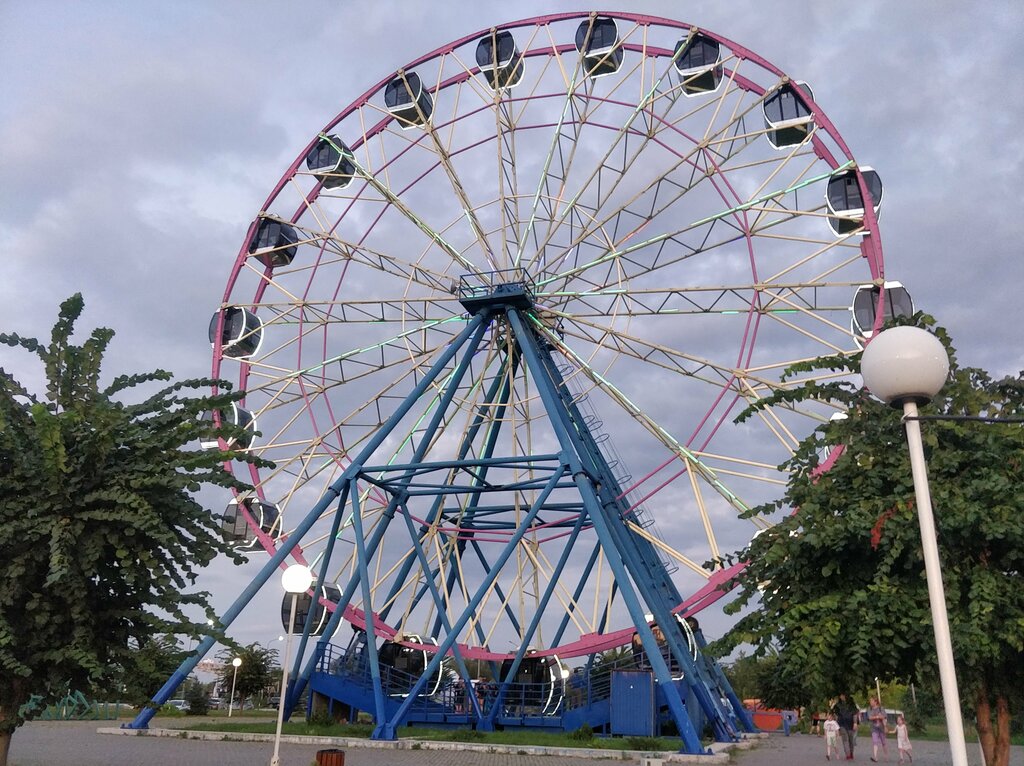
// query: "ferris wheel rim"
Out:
[870,226]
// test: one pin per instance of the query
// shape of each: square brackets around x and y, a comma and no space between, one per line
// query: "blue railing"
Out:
[449,697]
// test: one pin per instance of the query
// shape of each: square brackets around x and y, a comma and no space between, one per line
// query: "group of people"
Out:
[841,724]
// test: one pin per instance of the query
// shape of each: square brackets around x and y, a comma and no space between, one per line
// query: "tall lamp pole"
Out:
[296,579]
[907,366]
[237,662]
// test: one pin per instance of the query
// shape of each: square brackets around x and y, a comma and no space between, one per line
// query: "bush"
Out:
[322,718]
[582,734]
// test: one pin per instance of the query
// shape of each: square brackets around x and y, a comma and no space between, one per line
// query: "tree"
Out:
[762,677]
[195,694]
[256,674]
[152,664]
[841,582]
[101,534]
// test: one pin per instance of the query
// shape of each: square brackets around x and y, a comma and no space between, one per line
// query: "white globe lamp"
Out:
[905,367]
[904,363]
[237,663]
[296,579]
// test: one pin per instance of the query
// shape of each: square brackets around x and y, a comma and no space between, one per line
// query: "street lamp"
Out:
[296,579]
[237,662]
[907,366]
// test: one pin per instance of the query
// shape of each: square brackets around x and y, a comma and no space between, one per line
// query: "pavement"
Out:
[80,743]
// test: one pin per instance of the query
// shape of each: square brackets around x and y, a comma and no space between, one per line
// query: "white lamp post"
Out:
[296,579]
[237,662]
[907,366]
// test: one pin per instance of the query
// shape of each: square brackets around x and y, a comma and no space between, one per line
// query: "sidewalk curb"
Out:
[719,754]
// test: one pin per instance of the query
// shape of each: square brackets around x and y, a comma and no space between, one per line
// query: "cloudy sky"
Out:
[139,139]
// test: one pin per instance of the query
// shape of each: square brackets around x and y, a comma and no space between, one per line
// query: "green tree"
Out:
[102,537]
[152,663]
[765,678]
[840,583]
[256,674]
[195,694]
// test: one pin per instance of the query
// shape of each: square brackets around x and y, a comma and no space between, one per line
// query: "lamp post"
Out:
[237,662]
[907,366]
[296,579]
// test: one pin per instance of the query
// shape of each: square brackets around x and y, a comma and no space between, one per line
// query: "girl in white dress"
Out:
[903,740]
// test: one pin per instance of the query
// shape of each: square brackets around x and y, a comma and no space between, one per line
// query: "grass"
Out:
[936,732]
[524,738]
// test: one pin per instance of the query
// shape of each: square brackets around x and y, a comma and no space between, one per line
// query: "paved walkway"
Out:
[807,750]
[78,743]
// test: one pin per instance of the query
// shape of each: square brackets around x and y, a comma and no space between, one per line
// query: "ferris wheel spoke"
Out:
[508,180]
[619,255]
[395,202]
[669,551]
[748,384]
[653,95]
[650,425]
[711,299]
[572,82]
[699,171]
[651,353]
[392,265]
[458,187]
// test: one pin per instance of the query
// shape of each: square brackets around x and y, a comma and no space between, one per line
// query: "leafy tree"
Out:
[195,694]
[841,584]
[764,678]
[101,535]
[152,664]
[256,674]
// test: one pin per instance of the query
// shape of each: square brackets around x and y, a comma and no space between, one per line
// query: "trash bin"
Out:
[331,757]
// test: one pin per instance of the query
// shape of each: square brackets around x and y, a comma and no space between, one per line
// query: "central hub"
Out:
[511,288]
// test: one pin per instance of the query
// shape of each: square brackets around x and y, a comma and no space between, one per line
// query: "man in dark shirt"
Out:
[847,712]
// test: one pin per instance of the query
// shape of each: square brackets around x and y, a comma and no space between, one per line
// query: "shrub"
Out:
[582,734]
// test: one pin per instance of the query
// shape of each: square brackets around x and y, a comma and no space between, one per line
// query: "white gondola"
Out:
[598,41]
[499,60]
[241,334]
[236,529]
[330,162]
[787,117]
[539,684]
[407,99]
[235,416]
[274,243]
[845,202]
[304,603]
[409,663]
[898,303]
[698,60]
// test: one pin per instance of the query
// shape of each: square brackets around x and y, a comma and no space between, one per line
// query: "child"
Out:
[906,750]
[831,737]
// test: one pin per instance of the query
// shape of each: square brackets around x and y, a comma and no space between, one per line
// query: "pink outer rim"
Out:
[717,585]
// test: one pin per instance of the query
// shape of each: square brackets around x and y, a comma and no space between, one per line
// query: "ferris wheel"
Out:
[610,230]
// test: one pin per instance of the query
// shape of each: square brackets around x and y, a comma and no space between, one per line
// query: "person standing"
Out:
[846,711]
[831,738]
[906,750]
[876,715]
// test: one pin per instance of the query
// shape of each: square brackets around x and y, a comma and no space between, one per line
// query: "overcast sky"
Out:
[139,139]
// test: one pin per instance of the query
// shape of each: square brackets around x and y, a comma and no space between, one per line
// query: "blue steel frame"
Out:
[641,578]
